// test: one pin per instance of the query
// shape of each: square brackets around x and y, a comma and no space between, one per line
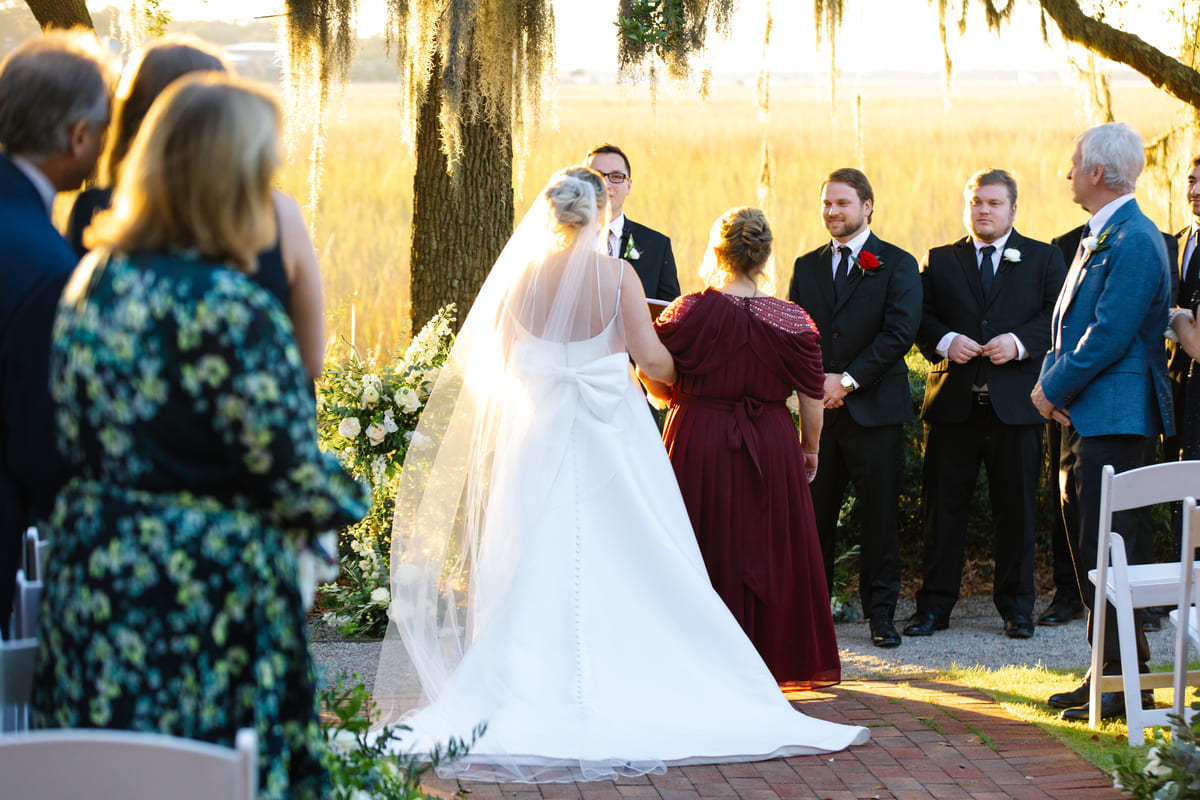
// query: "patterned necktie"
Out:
[985,268]
[1191,277]
[842,275]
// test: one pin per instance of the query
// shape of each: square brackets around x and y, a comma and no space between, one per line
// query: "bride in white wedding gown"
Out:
[545,577]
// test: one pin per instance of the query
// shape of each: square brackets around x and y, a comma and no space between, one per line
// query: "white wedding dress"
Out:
[596,646]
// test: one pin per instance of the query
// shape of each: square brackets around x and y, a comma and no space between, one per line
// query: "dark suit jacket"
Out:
[1177,360]
[655,263]
[1020,302]
[869,331]
[1106,364]
[35,262]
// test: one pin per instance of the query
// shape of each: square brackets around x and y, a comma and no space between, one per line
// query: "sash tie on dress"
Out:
[602,382]
[742,430]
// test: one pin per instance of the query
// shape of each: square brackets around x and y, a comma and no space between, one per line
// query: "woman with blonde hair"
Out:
[743,472]
[286,266]
[184,414]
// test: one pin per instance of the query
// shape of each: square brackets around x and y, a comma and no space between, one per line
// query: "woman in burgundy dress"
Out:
[742,469]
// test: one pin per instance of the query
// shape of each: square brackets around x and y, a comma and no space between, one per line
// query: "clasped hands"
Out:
[1000,350]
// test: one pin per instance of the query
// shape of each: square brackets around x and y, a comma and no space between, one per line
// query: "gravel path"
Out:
[975,637]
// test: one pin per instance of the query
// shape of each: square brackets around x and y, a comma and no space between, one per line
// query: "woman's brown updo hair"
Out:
[740,244]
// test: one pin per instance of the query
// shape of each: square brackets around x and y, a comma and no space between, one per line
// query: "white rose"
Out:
[793,403]
[380,596]
[362,794]
[1090,244]
[408,400]
[389,423]
[418,440]
[370,396]
[343,742]
[349,427]
[404,574]
[376,433]
[1012,254]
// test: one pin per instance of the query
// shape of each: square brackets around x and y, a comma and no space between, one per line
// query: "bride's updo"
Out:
[740,244]
[574,198]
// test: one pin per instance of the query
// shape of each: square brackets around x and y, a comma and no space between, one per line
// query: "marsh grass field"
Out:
[693,159]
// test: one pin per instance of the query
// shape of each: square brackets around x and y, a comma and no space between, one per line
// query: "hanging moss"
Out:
[668,32]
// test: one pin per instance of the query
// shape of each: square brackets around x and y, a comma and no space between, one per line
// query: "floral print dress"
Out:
[171,603]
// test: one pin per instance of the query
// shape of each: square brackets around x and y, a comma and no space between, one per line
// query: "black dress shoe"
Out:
[883,633]
[925,623]
[1112,706]
[1072,699]
[1152,618]
[1019,626]
[1061,611]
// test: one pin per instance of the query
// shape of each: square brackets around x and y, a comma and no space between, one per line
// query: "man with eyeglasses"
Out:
[647,250]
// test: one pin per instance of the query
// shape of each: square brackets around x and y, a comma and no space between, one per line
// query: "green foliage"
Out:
[360,762]
[366,415]
[1171,769]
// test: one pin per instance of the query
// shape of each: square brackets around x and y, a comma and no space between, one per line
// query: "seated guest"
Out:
[287,267]
[54,104]
[183,411]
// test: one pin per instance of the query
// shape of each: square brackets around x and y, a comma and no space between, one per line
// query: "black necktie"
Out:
[843,273]
[1081,251]
[985,268]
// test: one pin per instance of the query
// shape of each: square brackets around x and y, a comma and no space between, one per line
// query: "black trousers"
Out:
[870,459]
[1011,454]
[1082,461]
[1066,581]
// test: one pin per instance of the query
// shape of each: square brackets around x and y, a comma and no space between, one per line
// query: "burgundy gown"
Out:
[736,453]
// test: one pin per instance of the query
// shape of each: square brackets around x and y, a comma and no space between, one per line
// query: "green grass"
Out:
[1022,692]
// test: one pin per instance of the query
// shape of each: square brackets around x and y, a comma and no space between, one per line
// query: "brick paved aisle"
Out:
[929,740]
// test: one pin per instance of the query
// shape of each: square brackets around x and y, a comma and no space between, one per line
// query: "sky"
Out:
[876,34]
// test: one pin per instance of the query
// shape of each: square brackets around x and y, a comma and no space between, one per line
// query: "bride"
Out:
[545,577]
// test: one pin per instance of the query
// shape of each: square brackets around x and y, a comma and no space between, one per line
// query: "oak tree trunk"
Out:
[60,13]
[460,223]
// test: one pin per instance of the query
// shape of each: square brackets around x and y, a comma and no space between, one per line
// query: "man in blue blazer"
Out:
[1104,379]
[54,109]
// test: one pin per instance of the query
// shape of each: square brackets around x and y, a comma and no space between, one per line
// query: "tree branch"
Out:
[1167,73]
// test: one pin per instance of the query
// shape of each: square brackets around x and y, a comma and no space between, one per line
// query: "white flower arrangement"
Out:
[1012,254]
[366,415]
[631,251]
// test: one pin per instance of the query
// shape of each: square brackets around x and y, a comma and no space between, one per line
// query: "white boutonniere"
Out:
[631,251]
[1096,244]
[1012,254]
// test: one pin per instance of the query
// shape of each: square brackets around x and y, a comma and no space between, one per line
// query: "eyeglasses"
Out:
[615,178]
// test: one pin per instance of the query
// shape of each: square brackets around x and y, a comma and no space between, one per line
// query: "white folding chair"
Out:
[27,601]
[1186,616]
[16,683]
[36,548]
[1134,586]
[126,765]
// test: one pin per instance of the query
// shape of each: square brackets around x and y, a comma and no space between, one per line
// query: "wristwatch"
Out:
[847,382]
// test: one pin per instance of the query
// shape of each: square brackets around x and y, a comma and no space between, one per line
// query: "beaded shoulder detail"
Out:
[678,309]
[781,314]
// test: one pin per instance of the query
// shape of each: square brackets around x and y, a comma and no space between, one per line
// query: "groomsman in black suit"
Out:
[865,297]
[54,108]
[647,250]
[987,303]
[1185,258]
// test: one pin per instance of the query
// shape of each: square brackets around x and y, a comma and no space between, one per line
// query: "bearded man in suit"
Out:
[54,109]
[986,322]
[1104,379]
[646,250]
[865,296]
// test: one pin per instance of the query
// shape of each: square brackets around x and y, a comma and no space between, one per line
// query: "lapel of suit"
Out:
[823,266]
[626,233]
[1079,268]
[856,274]
[1003,265]
[964,251]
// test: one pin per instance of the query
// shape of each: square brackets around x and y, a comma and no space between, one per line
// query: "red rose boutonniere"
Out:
[867,262]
